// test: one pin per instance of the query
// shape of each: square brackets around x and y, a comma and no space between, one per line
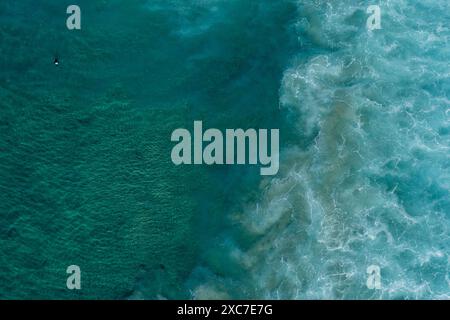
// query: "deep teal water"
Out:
[85,170]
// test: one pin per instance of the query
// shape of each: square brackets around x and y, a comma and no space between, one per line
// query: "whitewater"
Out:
[369,182]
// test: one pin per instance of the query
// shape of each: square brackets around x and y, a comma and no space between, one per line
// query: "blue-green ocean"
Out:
[86,176]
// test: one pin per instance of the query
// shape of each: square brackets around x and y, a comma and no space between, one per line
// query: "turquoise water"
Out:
[87,179]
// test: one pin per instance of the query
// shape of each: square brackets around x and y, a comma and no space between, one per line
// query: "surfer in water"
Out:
[56,61]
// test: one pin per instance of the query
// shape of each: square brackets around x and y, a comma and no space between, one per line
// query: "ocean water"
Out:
[86,176]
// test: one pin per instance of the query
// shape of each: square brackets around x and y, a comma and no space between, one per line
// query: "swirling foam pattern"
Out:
[372,185]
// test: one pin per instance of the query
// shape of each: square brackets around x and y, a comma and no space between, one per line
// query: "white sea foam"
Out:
[372,188]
